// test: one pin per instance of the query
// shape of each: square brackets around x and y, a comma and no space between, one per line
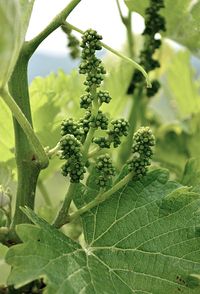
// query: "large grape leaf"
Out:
[144,239]
[182,20]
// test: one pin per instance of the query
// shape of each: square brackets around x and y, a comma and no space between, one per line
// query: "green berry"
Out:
[104,97]
[120,128]
[86,101]
[70,147]
[85,122]
[102,142]
[105,169]
[69,126]
[143,141]
[75,169]
[99,121]
[155,86]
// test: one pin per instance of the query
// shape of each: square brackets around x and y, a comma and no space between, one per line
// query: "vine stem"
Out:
[33,44]
[120,12]
[54,151]
[63,212]
[91,132]
[128,24]
[100,198]
[29,153]
[117,53]
[93,152]
[125,148]
[25,125]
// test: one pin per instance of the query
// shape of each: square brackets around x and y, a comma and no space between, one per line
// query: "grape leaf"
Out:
[182,20]
[191,176]
[144,239]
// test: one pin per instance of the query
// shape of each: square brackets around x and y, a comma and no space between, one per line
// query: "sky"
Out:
[101,15]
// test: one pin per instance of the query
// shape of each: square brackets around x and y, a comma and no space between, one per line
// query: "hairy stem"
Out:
[33,44]
[117,53]
[100,198]
[29,162]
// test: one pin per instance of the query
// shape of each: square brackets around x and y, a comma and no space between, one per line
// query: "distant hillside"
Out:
[41,64]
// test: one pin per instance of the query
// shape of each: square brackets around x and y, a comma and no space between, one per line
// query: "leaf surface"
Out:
[144,239]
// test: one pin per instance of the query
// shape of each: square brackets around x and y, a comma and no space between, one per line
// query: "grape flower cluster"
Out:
[72,44]
[75,134]
[142,149]
[154,23]
[105,170]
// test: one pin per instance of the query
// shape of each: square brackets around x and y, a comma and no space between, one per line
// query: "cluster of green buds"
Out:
[74,134]
[118,128]
[72,44]
[154,23]
[77,136]
[142,149]
[105,170]
[70,148]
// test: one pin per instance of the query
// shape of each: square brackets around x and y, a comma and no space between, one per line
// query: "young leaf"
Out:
[145,239]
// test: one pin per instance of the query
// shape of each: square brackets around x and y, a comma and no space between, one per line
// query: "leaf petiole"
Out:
[117,53]
[25,125]
[101,197]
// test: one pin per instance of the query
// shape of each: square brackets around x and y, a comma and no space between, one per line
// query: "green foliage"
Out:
[142,239]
